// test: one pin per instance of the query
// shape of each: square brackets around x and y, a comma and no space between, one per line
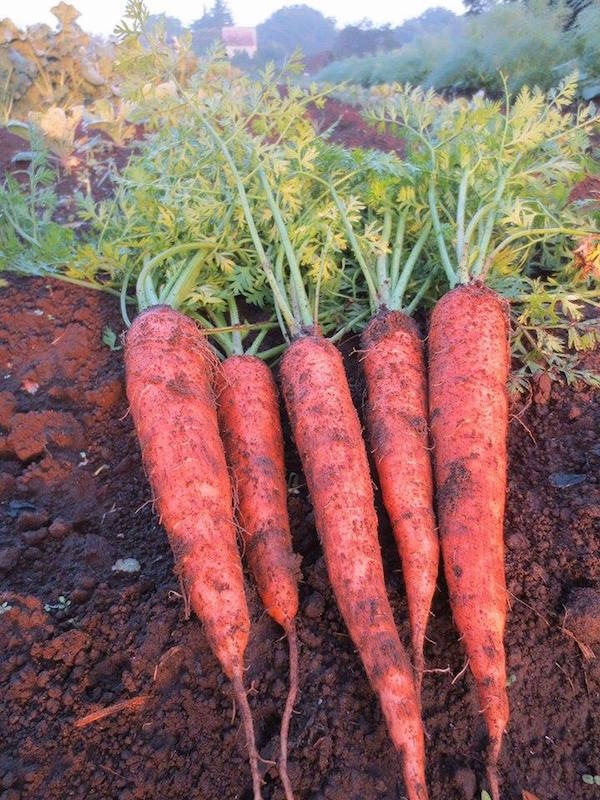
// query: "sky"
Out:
[101,16]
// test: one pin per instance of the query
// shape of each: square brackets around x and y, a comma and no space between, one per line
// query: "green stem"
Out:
[383,278]
[399,290]
[489,228]
[460,216]
[146,271]
[439,235]
[280,283]
[123,297]
[20,231]
[208,328]
[373,293]
[295,274]
[410,308]
[463,267]
[349,325]
[236,336]
[253,349]
[397,248]
[185,282]
[320,277]
[266,355]
[542,233]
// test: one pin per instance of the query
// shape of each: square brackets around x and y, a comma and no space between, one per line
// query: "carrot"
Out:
[253,441]
[169,376]
[329,439]
[328,436]
[396,414]
[468,369]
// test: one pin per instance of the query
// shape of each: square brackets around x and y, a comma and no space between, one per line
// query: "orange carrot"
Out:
[468,369]
[253,441]
[397,419]
[169,376]
[328,436]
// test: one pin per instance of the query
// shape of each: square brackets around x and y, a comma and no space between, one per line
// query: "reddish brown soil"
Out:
[74,499]
[588,189]
[349,129]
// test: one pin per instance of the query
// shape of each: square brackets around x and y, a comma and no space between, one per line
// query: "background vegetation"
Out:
[536,42]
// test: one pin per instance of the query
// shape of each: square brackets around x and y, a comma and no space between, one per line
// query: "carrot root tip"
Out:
[287,713]
[242,701]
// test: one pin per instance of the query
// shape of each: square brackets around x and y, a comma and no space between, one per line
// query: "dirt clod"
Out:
[583,615]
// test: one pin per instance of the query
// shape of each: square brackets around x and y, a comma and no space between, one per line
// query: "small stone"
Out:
[16,506]
[7,409]
[65,647]
[542,388]
[466,783]
[583,615]
[516,541]
[88,582]
[6,450]
[564,480]
[9,557]
[11,794]
[7,485]
[30,433]
[59,529]
[315,606]
[9,779]
[574,412]
[31,520]
[35,537]
[79,596]
[129,565]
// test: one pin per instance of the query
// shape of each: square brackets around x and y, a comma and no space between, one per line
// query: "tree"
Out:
[172,26]
[207,29]
[430,22]
[476,6]
[292,27]
[357,40]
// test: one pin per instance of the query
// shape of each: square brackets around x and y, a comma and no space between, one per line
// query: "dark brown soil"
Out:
[75,499]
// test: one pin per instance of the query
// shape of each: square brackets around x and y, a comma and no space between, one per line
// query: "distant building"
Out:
[239,40]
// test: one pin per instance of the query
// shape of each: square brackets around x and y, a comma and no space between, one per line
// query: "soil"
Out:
[77,636]
[75,499]
[349,129]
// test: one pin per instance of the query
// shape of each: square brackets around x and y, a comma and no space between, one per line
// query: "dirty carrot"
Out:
[253,440]
[169,377]
[396,381]
[396,411]
[328,435]
[468,370]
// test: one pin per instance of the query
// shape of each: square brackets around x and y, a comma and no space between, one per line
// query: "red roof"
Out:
[235,36]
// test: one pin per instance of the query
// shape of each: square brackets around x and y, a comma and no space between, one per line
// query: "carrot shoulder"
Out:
[169,376]
[468,370]
[396,413]
[328,436]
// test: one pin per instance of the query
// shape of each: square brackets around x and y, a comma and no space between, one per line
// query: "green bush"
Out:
[528,42]
[587,45]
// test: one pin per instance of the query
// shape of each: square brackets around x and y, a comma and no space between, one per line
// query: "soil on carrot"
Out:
[80,633]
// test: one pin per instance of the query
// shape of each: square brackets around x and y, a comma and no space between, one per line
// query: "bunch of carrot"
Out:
[238,202]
